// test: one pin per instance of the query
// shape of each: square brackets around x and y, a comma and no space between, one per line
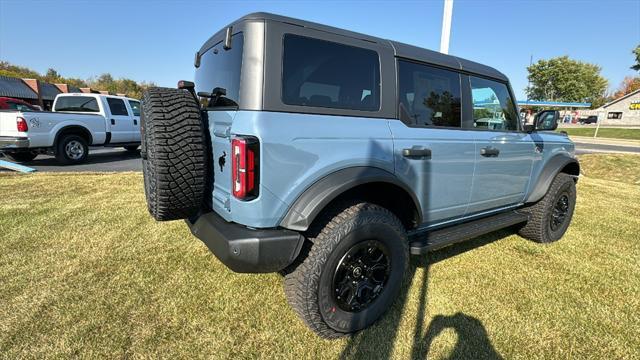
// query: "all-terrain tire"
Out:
[72,149]
[174,153]
[21,156]
[539,227]
[309,288]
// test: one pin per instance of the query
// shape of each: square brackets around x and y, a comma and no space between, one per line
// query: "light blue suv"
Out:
[331,156]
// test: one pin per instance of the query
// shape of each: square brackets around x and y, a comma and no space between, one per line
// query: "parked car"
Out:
[77,121]
[7,103]
[331,156]
[589,120]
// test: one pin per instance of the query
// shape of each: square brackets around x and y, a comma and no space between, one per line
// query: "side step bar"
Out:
[423,242]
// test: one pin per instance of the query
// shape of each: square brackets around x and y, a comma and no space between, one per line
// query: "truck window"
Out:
[326,74]
[493,107]
[77,103]
[117,106]
[221,68]
[18,106]
[428,96]
[135,107]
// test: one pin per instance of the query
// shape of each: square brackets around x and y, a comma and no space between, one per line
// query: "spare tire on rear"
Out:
[174,153]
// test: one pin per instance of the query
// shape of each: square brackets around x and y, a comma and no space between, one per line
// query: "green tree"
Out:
[636,52]
[103,82]
[565,79]
[8,69]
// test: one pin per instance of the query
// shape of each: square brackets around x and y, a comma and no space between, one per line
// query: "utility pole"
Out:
[446,26]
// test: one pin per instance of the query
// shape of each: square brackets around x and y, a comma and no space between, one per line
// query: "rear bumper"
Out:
[11,142]
[247,250]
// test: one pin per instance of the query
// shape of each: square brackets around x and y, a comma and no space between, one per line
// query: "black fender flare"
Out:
[73,129]
[548,173]
[317,196]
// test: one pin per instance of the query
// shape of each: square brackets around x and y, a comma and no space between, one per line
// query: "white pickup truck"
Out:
[78,120]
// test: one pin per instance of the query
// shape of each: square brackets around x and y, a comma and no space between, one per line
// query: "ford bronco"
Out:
[331,156]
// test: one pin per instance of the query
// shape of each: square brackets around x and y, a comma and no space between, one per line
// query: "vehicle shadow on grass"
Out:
[472,341]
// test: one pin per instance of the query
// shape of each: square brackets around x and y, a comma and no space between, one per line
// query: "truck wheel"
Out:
[353,272]
[174,154]
[72,149]
[21,156]
[550,217]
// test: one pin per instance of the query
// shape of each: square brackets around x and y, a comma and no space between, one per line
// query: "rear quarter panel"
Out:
[44,126]
[296,150]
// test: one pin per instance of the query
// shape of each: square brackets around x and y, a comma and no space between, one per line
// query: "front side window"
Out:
[117,107]
[77,103]
[428,96]
[493,107]
[220,68]
[135,107]
[331,75]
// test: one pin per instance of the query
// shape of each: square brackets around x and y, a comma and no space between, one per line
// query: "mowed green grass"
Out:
[613,133]
[85,272]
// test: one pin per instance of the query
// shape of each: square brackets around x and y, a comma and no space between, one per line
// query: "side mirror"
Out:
[547,120]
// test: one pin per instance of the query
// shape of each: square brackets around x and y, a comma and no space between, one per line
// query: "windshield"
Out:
[220,68]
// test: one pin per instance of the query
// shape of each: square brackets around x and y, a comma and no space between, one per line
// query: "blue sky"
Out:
[156,40]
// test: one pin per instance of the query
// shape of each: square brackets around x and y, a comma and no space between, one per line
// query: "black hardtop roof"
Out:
[400,49]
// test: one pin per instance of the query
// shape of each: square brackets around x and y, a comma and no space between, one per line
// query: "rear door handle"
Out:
[135,122]
[417,153]
[489,151]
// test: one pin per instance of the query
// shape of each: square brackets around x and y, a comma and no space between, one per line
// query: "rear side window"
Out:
[117,107]
[135,107]
[77,103]
[493,107]
[428,96]
[326,74]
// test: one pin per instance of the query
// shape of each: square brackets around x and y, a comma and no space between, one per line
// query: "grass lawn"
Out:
[84,271]
[613,133]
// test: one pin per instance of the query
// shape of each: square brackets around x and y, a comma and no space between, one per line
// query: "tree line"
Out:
[103,82]
[557,79]
[567,80]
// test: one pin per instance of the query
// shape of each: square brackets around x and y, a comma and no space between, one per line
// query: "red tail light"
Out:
[21,124]
[244,167]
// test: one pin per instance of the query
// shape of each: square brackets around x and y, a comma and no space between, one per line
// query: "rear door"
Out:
[134,108]
[504,155]
[432,153]
[120,121]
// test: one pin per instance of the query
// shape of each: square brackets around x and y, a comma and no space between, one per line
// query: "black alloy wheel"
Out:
[361,275]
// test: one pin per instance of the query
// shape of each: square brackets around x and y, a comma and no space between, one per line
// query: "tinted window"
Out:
[77,103]
[493,107]
[117,106]
[428,96]
[327,74]
[135,107]
[19,107]
[221,68]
